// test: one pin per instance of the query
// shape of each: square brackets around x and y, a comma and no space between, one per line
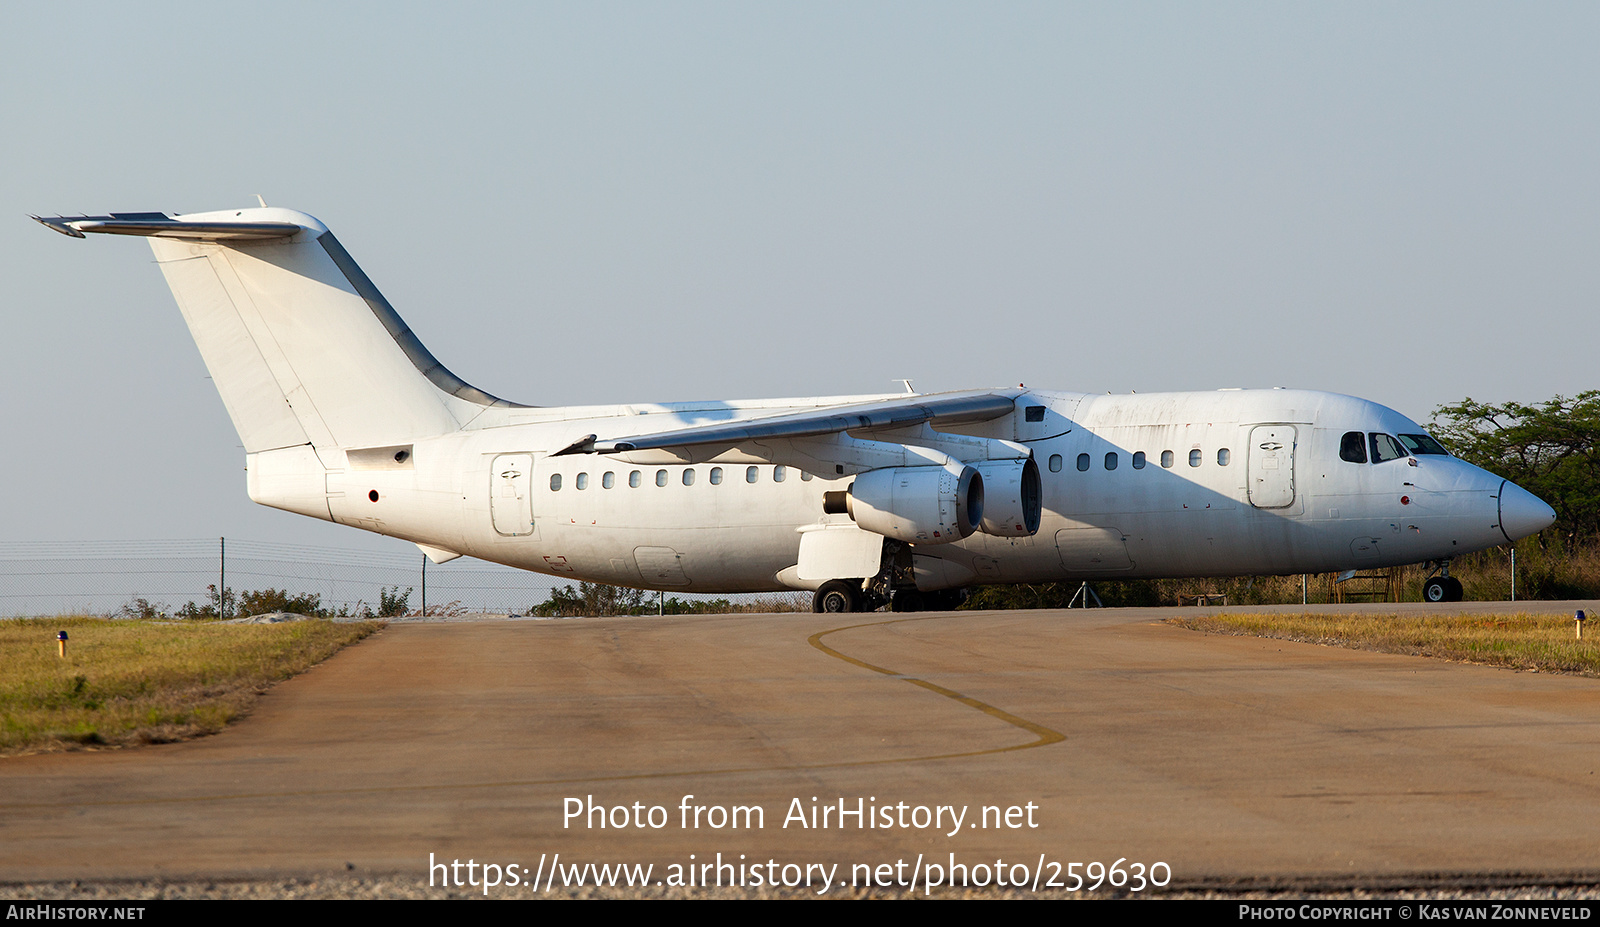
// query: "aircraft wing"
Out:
[864,418]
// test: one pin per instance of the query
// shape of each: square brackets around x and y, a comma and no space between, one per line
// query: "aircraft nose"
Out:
[1522,513]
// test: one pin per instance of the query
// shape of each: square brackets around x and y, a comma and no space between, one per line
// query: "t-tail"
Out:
[317,370]
[301,345]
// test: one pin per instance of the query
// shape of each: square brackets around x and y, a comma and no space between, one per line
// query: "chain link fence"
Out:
[157,579]
[1553,571]
[149,578]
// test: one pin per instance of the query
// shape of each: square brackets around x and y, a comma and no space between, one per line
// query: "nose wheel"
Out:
[1442,589]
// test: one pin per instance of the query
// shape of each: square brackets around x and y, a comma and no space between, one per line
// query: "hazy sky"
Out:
[587,202]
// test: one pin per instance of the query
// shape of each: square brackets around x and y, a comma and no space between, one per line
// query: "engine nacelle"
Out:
[1012,497]
[919,505]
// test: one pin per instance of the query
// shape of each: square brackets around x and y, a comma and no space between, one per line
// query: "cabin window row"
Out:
[608,480]
[1112,460]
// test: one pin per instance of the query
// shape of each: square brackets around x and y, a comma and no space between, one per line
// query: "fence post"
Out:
[424,585]
[1513,573]
[222,578]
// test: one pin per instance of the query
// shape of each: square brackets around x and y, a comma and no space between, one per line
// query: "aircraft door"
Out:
[661,566]
[510,494]
[1271,472]
[1039,419]
[1093,550]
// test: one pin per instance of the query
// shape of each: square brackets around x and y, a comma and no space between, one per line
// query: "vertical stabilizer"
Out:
[301,345]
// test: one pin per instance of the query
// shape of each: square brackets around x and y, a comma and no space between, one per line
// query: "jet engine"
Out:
[918,505]
[1012,500]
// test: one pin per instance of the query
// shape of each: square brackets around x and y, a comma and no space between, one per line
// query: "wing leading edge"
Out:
[833,440]
[864,417]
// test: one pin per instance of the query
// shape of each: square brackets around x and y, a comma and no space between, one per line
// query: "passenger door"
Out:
[511,496]
[1271,472]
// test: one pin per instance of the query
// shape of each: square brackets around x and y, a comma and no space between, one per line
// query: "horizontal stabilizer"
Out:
[161,225]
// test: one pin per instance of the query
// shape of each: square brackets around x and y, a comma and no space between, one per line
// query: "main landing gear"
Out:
[1442,587]
[838,595]
[849,595]
[915,600]
[894,586]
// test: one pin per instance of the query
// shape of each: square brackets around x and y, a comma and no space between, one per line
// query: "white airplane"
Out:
[867,500]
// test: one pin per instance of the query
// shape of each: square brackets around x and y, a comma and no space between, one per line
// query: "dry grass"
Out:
[1558,570]
[131,682]
[1542,643]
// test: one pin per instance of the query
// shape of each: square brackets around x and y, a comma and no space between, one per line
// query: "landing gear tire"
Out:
[1442,589]
[837,595]
[907,600]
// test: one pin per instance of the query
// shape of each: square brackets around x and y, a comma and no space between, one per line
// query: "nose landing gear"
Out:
[1442,587]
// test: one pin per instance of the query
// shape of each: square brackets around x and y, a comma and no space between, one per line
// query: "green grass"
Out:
[1545,643]
[132,682]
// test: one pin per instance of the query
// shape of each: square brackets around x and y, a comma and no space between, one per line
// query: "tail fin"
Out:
[301,345]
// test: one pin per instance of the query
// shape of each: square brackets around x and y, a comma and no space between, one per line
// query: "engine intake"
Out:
[1012,497]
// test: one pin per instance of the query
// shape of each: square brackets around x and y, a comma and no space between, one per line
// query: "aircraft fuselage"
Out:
[1134,486]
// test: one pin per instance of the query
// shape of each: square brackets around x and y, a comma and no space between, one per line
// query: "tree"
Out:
[596,599]
[1551,449]
[217,605]
[392,603]
[267,601]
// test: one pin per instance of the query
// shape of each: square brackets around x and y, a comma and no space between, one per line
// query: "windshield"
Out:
[1422,444]
[1385,447]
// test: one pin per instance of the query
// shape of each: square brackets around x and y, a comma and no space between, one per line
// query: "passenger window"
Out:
[1223,456]
[1083,461]
[1353,447]
[1194,457]
[609,480]
[1111,460]
[778,473]
[583,481]
[1385,448]
[1055,463]
[1033,414]
[634,479]
[1138,460]
[1166,459]
[555,482]
[661,477]
[716,475]
[688,477]
[804,476]
[750,474]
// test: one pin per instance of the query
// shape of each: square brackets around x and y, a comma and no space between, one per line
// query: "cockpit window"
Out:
[1385,447]
[1422,444]
[1353,447]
